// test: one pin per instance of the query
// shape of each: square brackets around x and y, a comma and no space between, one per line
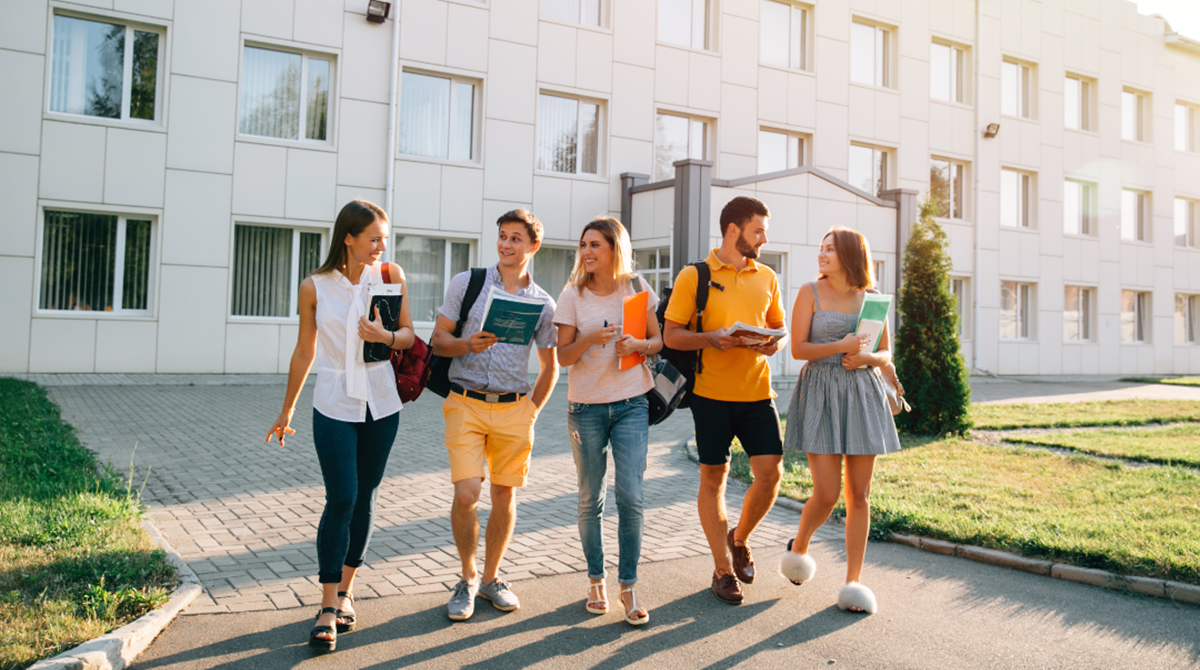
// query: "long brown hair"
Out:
[352,220]
[854,253]
[618,239]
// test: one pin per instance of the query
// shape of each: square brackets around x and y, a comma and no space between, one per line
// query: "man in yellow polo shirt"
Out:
[732,395]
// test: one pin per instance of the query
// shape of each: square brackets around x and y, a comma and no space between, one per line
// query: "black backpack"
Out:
[439,366]
[688,363]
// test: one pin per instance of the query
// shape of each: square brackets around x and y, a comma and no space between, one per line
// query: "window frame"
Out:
[1191,143]
[1143,227]
[294,295]
[601,104]
[601,11]
[305,51]
[706,139]
[1141,115]
[1086,319]
[803,51]
[964,186]
[1087,107]
[802,146]
[883,45]
[161,75]
[447,268]
[1191,230]
[962,305]
[1026,89]
[1142,317]
[1027,200]
[122,214]
[708,30]
[1026,310]
[1088,208]
[959,79]
[476,115]
[1191,320]
[884,165]
[664,277]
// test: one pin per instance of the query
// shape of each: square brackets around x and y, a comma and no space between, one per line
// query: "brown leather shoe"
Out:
[743,562]
[726,587]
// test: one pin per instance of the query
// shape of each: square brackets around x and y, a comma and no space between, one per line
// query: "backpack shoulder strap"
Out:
[703,277]
[474,287]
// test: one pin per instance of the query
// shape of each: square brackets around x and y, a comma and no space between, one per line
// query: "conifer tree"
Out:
[928,354]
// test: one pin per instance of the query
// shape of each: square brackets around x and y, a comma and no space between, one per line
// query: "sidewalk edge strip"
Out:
[117,649]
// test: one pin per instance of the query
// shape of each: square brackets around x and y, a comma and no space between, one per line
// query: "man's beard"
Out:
[746,249]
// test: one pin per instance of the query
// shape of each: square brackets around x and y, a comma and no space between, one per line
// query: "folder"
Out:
[633,323]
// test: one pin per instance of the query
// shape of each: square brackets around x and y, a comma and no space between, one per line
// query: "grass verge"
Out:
[75,562]
[1131,521]
[1174,445]
[1079,414]
[1177,381]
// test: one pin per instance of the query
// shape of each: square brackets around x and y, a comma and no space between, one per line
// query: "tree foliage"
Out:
[928,355]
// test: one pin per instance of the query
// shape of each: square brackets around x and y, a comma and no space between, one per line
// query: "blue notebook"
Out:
[512,319]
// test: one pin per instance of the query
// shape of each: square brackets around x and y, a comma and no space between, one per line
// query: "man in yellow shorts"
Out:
[491,409]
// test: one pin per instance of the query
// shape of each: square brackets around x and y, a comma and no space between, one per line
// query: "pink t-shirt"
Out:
[597,377]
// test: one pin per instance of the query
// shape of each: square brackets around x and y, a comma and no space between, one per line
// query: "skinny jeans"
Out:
[624,428]
[353,457]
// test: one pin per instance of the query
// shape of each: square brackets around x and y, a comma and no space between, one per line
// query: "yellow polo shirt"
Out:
[750,296]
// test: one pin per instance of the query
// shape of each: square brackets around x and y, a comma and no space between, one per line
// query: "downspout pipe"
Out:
[389,198]
[975,206]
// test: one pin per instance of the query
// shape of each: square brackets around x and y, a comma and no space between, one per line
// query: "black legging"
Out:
[353,457]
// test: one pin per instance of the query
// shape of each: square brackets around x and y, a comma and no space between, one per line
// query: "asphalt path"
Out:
[935,612]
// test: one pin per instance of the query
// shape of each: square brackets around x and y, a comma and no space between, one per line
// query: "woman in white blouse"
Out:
[355,404]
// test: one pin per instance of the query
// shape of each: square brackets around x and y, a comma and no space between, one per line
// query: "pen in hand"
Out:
[604,344]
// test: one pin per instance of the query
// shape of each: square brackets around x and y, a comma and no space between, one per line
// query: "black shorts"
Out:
[755,424]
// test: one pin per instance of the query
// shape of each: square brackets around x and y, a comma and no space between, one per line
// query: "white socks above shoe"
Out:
[857,596]
[797,568]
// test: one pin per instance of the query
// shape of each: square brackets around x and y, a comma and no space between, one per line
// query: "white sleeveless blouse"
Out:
[346,386]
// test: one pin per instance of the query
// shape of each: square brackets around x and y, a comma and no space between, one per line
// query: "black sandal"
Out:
[347,621]
[321,643]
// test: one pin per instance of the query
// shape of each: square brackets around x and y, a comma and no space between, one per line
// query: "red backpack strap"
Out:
[386,270]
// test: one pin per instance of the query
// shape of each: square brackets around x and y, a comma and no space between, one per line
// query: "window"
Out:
[869,169]
[1135,219]
[1077,108]
[677,138]
[428,265]
[1016,89]
[779,151]
[1185,128]
[568,135]
[947,181]
[284,94]
[1133,116]
[1015,310]
[1077,314]
[783,35]
[1187,318]
[104,69]
[586,12]
[869,51]
[655,267]
[1135,316]
[437,117]
[551,268]
[95,263]
[683,22]
[1016,199]
[1079,208]
[1187,221]
[946,73]
[879,276]
[960,289]
[269,263]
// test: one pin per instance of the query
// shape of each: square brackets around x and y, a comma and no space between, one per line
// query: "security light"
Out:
[993,129]
[377,10]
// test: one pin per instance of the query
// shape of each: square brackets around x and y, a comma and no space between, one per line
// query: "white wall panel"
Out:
[366,49]
[311,178]
[589,199]
[251,348]
[634,21]
[462,199]
[508,173]
[18,203]
[423,31]
[552,204]
[704,81]
[16,301]
[320,22]
[163,9]
[739,127]
[671,76]
[21,80]
[288,335]
[772,95]
[191,320]
[203,123]
[62,345]
[272,18]
[72,162]
[556,53]
[125,346]
[195,224]
[206,40]
[418,201]
[362,144]
[632,108]
[512,88]
[135,167]
[24,26]
[259,179]
[739,63]
[467,40]
[594,62]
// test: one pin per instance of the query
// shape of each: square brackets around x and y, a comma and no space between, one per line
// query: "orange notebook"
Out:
[634,323]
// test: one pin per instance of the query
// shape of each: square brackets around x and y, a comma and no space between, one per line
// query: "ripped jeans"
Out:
[625,425]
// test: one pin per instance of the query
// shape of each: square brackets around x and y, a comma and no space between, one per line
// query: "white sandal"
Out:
[633,608]
[857,598]
[597,605]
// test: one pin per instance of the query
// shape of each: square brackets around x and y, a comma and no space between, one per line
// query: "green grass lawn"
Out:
[1178,381]
[1132,521]
[1073,414]
[1174,445]
[75,562]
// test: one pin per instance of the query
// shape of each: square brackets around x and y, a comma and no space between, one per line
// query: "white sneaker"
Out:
[498,592]
[462,601]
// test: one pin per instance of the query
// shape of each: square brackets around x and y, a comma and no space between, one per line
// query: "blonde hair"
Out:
[854,253]
[622,268]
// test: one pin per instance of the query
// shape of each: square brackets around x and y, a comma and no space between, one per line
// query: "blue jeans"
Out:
[353,457]
[625,425]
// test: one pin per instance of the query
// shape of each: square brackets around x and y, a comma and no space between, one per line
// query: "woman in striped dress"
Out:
[839,411]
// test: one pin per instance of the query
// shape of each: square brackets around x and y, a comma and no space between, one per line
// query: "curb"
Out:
[1176,592]
[116,650]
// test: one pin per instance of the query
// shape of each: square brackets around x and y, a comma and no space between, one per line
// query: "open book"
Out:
[756,336]
[512,319]
[872,318]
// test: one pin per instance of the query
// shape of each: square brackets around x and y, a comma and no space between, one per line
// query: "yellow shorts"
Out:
[496,435]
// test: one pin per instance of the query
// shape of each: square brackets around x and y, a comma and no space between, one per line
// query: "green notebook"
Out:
[873,316]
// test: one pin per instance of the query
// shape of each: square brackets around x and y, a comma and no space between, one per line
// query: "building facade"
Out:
[170,169]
